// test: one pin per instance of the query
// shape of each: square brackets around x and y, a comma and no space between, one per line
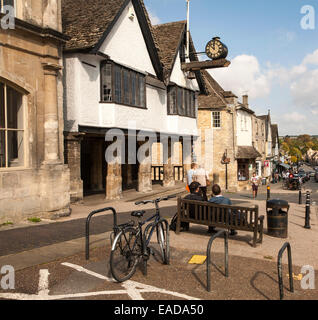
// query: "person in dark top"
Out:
[195,194]
[219,199]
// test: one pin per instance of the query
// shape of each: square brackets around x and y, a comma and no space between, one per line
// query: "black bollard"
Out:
[268,192]
[300,198]
[307,217]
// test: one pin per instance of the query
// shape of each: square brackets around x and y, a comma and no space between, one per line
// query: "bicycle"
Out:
[130,244]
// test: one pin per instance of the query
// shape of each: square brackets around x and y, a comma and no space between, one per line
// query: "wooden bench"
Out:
[221,216]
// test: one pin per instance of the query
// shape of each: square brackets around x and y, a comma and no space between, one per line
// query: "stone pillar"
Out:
[144,172]
[168,168]
[73,160]
[51,124]
[97,166]
[113,182]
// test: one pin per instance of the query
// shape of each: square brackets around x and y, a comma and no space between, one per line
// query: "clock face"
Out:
[215,49]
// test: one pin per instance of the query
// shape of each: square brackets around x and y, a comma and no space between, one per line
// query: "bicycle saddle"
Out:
[138,214]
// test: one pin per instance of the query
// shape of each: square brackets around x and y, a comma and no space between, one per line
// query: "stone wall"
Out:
[34,193]
[223,139]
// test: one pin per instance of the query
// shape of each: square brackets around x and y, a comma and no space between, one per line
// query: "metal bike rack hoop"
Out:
[280,270]
[226,256]
[88,220]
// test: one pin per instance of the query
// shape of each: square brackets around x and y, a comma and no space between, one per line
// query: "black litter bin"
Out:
[277,218]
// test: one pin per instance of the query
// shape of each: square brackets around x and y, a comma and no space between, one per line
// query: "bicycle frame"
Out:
[146,240]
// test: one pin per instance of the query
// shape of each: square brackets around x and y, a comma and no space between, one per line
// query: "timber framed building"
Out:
[122,73]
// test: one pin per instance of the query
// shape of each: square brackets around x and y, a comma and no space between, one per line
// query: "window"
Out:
[6,3]
[107,83]
[126,86]
[172,100]
[181,102]
[122,85]
[216,119]
[117,81]
[11,127]
[243,172]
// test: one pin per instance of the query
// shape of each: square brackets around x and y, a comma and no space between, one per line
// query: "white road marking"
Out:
[132,288]
[44,283]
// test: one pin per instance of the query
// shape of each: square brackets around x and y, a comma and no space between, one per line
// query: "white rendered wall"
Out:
[244,135]
[179,77]
[72,98]
[126,45]
[83,107]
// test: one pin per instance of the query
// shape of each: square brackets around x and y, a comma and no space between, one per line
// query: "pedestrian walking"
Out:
[255,183]
[202,177]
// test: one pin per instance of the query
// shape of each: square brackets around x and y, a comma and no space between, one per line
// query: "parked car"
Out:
[312,173]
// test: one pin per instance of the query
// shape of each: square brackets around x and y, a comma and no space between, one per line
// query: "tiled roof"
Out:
[85,21]
[169,36]
[215,97]
[247,153]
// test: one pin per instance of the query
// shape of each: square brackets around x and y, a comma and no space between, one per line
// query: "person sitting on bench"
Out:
[219,199]
[196,195]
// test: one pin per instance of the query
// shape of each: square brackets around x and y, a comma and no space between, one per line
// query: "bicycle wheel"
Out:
[163,243]
[125,254]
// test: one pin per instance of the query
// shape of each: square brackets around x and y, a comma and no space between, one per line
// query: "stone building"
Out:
[123,73]
[217,124]
[33,178]
[259,141]
[275,146]
[268,163]
[226,136]
[246,152]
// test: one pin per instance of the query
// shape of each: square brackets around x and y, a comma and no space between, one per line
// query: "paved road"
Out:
[22,239]
[75,278]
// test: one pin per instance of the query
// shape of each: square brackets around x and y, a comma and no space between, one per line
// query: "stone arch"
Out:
[16,82]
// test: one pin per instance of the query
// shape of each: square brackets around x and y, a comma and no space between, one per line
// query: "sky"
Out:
[274,59]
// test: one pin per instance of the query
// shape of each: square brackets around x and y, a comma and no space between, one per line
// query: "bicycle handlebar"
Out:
[156,200]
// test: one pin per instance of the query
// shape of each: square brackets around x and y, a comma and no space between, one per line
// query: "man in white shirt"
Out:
[191,172]
[202,177]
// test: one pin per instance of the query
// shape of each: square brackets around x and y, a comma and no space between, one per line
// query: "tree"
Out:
[294,159]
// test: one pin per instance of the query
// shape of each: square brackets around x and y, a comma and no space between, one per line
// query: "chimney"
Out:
[245,100]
